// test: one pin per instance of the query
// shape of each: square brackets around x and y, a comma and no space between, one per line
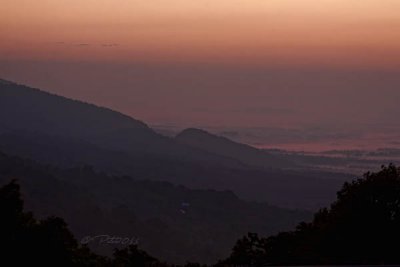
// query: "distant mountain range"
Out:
[68,133]
[25,109]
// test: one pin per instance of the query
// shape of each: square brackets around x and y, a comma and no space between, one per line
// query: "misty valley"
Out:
[95,187]
[188,133]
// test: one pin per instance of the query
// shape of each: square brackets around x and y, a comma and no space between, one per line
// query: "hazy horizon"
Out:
[214,96]
[281,64]
[199,133]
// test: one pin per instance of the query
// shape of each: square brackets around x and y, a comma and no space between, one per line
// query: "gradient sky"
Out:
[234,62]
[344,32]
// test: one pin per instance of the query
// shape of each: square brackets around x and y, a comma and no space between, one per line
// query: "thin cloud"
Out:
[265,110]
[110,45]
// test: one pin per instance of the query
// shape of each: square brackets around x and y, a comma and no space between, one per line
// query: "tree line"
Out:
[361,227]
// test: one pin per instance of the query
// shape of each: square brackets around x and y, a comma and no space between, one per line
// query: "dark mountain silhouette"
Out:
[67,133]
[172,223]
[24,109]
[225,147]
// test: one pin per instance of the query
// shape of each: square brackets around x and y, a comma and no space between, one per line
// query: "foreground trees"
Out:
[26,241]
[29,242]
[361,227]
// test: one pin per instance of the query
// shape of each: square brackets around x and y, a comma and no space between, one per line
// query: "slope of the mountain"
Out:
[173,223]
[223,146]
[5,82]
[293,189]
[25,107]
[67,133]
[28,110]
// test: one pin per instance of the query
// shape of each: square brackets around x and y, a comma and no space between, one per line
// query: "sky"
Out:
[201,62]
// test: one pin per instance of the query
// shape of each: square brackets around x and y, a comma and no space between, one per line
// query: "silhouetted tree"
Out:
[359,228]
[133,256]
[26,241]
[249,251]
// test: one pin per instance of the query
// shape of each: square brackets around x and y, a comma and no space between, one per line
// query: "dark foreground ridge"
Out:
[173,223]
[360,228]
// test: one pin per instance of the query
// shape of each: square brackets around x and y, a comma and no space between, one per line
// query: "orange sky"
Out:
[232,62]
[330,32]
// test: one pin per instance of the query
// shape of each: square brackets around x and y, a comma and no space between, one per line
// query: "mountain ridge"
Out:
[173,222]
[223,146]
[62,132]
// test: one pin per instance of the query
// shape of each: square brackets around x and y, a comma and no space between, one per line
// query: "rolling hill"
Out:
[174,223]
[68,133]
